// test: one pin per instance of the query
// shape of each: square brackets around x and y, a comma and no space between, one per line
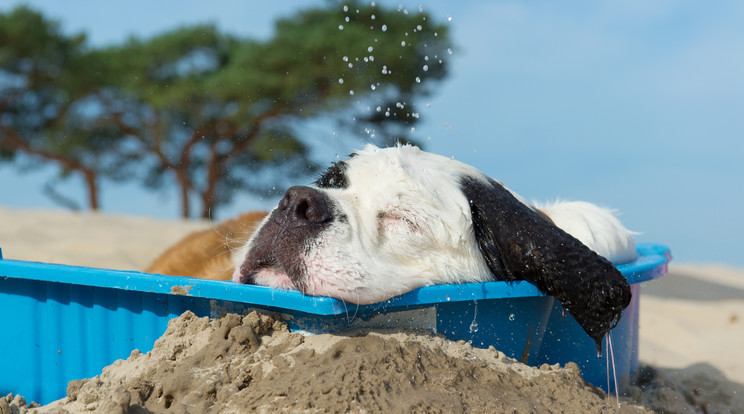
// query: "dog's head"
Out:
[387,221]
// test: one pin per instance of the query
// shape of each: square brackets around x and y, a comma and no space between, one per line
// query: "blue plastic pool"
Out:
[65,322]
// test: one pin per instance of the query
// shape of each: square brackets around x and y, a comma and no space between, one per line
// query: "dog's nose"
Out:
[302,205]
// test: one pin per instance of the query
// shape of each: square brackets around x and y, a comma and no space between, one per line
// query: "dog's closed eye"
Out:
[392,220]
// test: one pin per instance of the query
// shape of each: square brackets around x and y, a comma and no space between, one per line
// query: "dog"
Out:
[390,220]
[208,254]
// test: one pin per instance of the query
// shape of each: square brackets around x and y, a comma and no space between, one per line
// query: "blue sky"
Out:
[634,105]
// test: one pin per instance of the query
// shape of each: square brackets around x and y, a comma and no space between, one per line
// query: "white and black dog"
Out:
[390,220]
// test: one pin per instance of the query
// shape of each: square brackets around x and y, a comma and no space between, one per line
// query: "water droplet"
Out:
[512,317]
[418,27]
[426,58]
[351,65]
[370,49]
[372,17]
[421,7]
[426,68]
[448,298]
[335,133]
[418,80]
[474,327]
[403,43]
[351,92]
[345,58]
[340,27]
[340,80]
[449,50]
[387,113]
[371,58]
[379,108]
[373,87]
[384,28]
[449,18]
[412,131]
[346,8]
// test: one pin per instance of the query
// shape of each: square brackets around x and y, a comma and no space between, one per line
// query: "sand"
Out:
[691,330]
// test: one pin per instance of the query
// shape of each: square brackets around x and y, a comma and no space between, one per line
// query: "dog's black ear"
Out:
[520,244]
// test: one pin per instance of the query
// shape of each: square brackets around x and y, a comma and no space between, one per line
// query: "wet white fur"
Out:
[409,225]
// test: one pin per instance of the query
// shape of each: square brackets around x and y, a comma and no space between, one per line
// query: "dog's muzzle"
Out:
[279,245]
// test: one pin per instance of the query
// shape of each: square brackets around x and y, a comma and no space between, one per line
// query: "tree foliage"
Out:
[217,113]
[48,83]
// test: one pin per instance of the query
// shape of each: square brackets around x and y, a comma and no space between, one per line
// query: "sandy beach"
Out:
[691,336]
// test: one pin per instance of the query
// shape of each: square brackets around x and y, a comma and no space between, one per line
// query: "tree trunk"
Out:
[183,183]
[91,181]
[214,166]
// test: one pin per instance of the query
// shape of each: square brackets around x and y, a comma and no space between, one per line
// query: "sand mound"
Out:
[253,363]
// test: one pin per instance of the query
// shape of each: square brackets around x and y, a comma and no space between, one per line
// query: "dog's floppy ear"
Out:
[520,244]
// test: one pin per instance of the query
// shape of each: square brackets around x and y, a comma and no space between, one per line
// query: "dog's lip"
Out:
[265,271]
[250,268]
[272,276]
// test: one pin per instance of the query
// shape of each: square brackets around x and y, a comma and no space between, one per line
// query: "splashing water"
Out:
[614,374]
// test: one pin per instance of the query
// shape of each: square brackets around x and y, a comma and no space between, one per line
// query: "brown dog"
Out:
[207,254]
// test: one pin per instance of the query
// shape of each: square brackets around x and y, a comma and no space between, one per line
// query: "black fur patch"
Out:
[520,244]
[334,176]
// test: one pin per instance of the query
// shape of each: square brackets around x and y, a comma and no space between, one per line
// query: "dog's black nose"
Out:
[303,205]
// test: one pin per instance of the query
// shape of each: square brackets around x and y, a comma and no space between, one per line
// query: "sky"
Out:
[633,105]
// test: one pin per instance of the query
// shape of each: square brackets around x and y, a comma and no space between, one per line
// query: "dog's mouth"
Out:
[265,273]
[272,261]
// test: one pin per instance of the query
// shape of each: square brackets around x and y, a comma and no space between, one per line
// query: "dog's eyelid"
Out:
[391,215]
